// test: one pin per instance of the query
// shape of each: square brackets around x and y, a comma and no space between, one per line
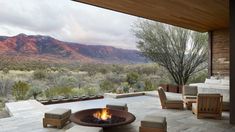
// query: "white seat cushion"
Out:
[58,113]
[117,106]
[190,90]
[212,81]
[154,121]
[225,82]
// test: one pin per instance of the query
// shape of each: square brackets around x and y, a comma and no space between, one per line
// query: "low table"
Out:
[188,103]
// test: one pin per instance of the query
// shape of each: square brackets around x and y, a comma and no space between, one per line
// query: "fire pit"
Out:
[102,117]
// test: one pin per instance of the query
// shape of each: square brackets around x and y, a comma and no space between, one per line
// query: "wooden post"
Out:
[232,61]
[210,54]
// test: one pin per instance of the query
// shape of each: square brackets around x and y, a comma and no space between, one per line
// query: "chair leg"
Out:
[44,123]
[59,126]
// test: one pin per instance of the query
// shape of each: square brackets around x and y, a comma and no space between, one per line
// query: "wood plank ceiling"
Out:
[199,15]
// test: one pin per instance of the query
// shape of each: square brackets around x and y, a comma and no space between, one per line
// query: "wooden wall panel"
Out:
[220,52]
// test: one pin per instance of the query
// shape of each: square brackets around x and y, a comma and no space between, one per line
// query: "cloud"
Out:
[67,21]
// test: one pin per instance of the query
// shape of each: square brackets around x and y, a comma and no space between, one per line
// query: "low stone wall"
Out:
[124,95]
[67,100]
[146,93]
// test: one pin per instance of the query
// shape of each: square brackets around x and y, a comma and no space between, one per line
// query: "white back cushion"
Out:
[225,82]
[212,81]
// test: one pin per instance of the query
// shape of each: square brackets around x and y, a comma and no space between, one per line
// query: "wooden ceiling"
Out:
[199,15]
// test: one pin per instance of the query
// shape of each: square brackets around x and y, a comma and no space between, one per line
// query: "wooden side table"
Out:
[188,103]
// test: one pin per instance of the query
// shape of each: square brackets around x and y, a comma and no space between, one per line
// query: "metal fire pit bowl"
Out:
[79,116]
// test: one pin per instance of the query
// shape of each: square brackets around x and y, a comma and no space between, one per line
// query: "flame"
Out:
[103,114]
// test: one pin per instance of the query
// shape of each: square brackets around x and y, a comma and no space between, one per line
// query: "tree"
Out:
[182,52]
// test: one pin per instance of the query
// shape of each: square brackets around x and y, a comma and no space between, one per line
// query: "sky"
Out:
[67,21]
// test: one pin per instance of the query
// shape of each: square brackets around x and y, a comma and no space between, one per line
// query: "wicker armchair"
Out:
[208,105]
[168,103]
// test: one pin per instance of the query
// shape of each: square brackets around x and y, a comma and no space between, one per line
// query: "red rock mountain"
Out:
[50,49]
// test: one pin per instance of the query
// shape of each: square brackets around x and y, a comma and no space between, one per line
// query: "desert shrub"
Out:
[90,91]
[5,85]
[64,91]
[148,69]
[138,86]
[198,77]
[34,91]
[50,93]
[125,87]
[118,69]
[5,70]
[148,85]
[103,70]
[66,81]
[106,86]
[39,74]
[58,91]
[41,84]
[132,78]
[116,78]
[78,92]
[20,90]
[64,71]
[54,69]
[85,91]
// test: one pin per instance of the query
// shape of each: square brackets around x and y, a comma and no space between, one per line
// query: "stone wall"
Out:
[220,52]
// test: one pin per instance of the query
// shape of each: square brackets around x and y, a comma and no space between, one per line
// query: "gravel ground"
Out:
[4,114]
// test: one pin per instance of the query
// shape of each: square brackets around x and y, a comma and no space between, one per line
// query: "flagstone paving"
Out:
[26,116]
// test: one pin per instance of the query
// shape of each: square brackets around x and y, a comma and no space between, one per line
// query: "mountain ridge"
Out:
[39,46]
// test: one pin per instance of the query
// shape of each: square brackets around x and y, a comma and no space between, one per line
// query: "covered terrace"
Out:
[212,16]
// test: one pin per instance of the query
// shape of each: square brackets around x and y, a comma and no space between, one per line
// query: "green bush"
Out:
[132,78]
[39,74]
[20,90]
[148,86]
[50,93]
[66,81]
[116,78]
[91,91]
[125,87]
[106,86]
[64,91]
[34,91]
[78,92]
[139,86]
[58,91]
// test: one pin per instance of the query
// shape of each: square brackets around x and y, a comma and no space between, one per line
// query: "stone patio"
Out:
[26,116]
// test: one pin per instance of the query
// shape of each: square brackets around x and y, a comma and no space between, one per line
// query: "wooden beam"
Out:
[199,15]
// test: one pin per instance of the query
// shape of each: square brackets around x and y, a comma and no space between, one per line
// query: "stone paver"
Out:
[27,116]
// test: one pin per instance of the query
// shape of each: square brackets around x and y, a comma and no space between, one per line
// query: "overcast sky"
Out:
[67,21]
